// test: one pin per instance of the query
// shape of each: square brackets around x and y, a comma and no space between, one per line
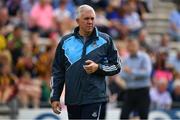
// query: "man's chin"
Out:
[89,31]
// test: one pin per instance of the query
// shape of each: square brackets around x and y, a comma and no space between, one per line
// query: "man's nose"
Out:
[90,21]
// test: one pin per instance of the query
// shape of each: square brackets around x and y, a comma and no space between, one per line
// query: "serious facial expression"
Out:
[86,21]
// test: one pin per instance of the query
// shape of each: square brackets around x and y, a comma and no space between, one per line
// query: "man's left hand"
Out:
[90,66]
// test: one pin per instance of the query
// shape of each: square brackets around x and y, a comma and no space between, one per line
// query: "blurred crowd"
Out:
[31,29]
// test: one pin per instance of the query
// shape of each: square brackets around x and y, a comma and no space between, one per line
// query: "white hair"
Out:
[82,8]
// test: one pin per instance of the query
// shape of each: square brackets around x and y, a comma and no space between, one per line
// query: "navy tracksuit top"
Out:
[67,69]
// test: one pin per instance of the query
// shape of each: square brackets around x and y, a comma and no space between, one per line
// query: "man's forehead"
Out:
[88,13]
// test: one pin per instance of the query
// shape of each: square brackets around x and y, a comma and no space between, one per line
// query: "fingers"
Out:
[88,62]
[87,67]
[90,66]
[88,71]
[56,107]
[56,110]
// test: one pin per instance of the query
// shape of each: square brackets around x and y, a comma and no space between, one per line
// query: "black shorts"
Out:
[88,111]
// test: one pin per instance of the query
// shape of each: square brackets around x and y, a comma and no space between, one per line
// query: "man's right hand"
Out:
[56,106]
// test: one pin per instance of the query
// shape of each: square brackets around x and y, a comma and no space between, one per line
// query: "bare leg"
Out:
[23,97]
[7,93]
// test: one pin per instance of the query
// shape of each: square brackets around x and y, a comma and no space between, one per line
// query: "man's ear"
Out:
[77,20]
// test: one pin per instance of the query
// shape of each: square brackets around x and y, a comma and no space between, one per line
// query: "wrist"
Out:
[97,66]
[54,100]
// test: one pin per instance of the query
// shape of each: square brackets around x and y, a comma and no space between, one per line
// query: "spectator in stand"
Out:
[25,61]
[15,43]
[26,6]
[122,48]
[34,39]
[143,39]
[165,42]
[69,6]
[62,12]
[4,19]
[44,60]
[29,89]
[62,17]
[2,3]
[134,23]
[174,20]
[174,61]
[111,10]
[8,81]
[149,4]
[5,23]
[41,18]
[161,71]
[15,11]
[13,7]
[102,22]
[8,85]
[143,7]
[160,97]
[176,90]
[45,86]
[118,22]
[3,42]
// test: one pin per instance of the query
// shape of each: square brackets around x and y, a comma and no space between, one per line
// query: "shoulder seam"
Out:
[105,36]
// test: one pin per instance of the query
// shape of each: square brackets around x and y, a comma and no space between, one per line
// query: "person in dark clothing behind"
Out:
[81,62]
[136,73]
[8,86]
[15,43]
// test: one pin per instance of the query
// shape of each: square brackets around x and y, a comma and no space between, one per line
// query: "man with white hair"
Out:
[82,60]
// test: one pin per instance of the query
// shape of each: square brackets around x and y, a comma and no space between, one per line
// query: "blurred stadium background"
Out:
[31,29]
